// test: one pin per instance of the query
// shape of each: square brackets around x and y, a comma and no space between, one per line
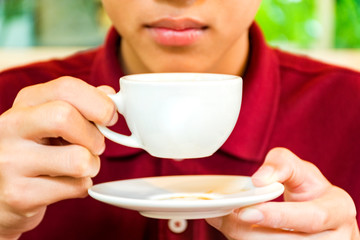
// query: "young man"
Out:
[49,147]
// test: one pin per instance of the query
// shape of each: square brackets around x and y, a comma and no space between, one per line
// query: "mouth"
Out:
[176,32]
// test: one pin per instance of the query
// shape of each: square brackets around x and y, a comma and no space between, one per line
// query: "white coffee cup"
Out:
[177,115]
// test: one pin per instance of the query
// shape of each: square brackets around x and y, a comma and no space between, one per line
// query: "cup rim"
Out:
[180,77]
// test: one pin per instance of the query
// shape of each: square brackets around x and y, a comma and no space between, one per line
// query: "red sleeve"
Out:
[13,80]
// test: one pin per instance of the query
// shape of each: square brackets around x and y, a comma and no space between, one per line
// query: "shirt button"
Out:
[177,225]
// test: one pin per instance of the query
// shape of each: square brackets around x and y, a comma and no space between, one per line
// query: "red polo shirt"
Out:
[289,101]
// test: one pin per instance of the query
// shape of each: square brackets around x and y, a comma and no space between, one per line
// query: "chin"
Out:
[178,65]
[178,69]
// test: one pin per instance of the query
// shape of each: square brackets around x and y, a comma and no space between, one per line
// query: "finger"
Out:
[59,119]
[232,228]
[71,160]
[106,89]
[91,102]
[302,180]
[38,160]
[316,206]
[109,90]
[60,188]
[309,217]
[32,193]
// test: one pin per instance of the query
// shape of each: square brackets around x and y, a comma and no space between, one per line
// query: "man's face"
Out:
[183,35]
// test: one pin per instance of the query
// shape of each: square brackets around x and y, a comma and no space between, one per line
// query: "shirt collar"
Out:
[261,90]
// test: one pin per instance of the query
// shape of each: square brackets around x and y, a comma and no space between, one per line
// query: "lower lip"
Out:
[176,38]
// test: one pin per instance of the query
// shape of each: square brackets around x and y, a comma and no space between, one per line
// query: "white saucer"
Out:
[184,197]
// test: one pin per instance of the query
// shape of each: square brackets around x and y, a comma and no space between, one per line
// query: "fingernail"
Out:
[251,215]
[113,120]
[264,175]
[266,172]
[102,150]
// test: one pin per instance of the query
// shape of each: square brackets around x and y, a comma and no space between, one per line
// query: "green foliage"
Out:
[14,8]
[347,27]
[290,22]
[295,23]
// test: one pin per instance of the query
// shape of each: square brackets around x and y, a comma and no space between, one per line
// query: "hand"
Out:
[313,208]
[49,149]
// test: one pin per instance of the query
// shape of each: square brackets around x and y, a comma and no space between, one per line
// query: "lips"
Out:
[176,32]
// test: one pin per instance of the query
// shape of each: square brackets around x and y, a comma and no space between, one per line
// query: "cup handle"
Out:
[129,141]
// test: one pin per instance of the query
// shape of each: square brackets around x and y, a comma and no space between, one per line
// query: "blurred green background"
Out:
[286,23]
[311,23]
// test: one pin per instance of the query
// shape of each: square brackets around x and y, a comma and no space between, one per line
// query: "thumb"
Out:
[302,180]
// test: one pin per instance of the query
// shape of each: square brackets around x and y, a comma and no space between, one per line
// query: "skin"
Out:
[45,122]
[52,119]
[313,207]
[139,49]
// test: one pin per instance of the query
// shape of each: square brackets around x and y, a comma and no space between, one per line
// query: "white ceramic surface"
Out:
[177,115]
[184,197]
